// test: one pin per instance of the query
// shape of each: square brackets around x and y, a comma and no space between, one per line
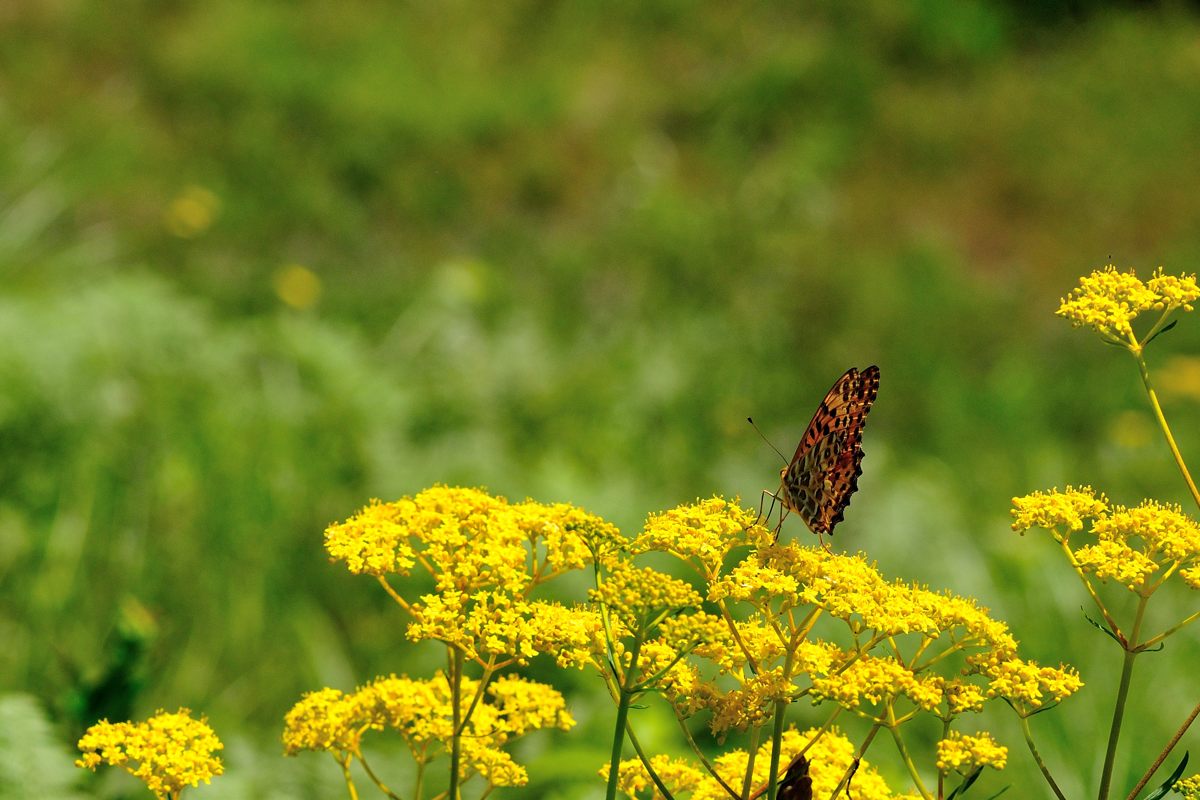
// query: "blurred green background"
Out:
[262,261]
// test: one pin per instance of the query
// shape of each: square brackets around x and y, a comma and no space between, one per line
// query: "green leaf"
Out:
[1162,790]
[1161,332]
[966,784]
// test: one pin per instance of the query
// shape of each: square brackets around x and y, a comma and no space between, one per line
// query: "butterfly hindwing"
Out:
[823,473]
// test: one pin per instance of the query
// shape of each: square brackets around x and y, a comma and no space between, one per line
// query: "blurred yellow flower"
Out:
[297,286]
[1189,787]
[641,597]
[168,752]
[191,212]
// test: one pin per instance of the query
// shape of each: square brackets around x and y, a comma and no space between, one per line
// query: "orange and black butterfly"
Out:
[823,474]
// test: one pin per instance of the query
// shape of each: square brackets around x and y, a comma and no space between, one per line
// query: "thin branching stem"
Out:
[1114,734]
[1187,723]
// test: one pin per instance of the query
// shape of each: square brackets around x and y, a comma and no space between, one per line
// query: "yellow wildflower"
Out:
[1189,787]
[1162,527]
[702,533]
[829,757]
[1174,291]
[574,636]
[569,535]
[167,752]
[1113,559]
[373,541]
[634,781]
[750,703]
[326,719]
[1054,509]
[1108,300]
[640,597]
[960,752]
[962,697]
[875,680]
[1024,683]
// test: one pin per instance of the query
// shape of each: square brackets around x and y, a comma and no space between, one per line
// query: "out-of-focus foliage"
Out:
[263,261]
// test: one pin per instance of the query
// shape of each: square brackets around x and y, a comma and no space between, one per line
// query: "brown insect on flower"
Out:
[819,480]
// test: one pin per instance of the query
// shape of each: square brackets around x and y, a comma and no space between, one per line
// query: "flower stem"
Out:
[1037,757]
[776,742]
[1187,723]
[1131,652]
[456,668]
[1162,423]
[625,698]
[752,754]
[349,781]
[637,748]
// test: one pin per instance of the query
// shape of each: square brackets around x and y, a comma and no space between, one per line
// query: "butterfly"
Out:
[823,474]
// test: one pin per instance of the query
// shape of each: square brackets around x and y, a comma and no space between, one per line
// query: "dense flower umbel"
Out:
[829,755]
[961,752]
[421,712]
[702,533]
[484,554]
[168,751]
[1109,300]
[1137,547]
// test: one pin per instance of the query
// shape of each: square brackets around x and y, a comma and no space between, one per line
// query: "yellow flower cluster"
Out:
[1067,509]
[961,752]
[1189,787]
[485,556]
[1027,686]
[640,597]
[829,754]
[1108,300]
[168,752]
[702,533]
[421,711]
[1132,544]
[876,680]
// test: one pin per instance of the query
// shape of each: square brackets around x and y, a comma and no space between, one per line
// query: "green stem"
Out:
[371,773]
[349,781]
[1114,733]
[1162,423]
[751,755]
[637,748]
[626,697]
[1037,757]
[418,787]
[708,765]
[456,668]
[776,743]
[905,755]
[1187,723]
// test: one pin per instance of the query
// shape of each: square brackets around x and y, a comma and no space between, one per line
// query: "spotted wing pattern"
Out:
[823,473]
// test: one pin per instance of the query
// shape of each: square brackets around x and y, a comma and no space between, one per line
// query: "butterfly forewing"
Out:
[823,473]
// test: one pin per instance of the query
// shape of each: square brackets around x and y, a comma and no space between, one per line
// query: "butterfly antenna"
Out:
[768,441]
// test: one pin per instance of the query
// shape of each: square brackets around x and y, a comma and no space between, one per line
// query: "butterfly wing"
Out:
[796,784]
[823,473]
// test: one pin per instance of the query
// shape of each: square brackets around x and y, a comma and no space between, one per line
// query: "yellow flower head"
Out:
[1163,529]
[1189,787]
[641,597]
[1067,509]
[634,781]
[326,720]
[702,533]
[1026,685]
[570,537]
[961,753]
[1109,300]
[167,751]
[574,636]
[421,711]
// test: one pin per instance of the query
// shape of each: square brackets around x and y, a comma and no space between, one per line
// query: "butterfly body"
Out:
[819,480]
